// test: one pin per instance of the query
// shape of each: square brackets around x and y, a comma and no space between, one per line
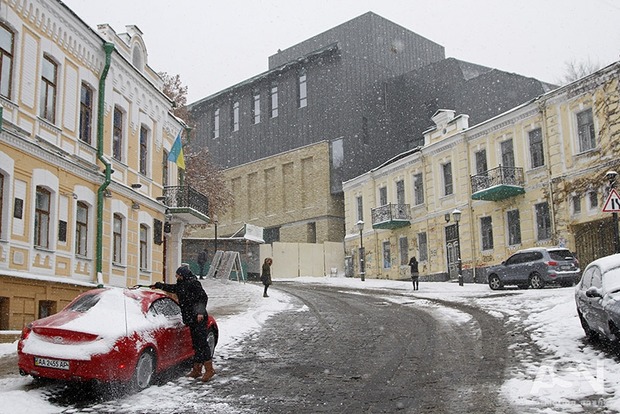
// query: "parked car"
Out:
[536,267]
[598,299]
[109,335]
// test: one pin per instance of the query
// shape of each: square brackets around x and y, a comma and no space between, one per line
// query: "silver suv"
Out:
[536,267]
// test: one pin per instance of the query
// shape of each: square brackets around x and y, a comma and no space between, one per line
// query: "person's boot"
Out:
[209,371]
[196,371]
[265,295]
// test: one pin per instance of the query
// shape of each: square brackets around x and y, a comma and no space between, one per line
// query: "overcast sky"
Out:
[213,45]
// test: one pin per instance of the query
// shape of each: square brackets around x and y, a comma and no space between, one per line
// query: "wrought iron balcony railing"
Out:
[497,183]
[179,197]
[497,176]
[391,216]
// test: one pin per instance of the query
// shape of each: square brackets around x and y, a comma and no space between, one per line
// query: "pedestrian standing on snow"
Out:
[193,302]
[202,261]
[265,276]
[413,264]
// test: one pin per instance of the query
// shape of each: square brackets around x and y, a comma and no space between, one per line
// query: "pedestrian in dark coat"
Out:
[265,276]
[193,302]
[202,261]
[413,264]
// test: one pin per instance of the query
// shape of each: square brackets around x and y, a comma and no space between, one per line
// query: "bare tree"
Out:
[203,175]
[177,92]
[201,172]
[576,70]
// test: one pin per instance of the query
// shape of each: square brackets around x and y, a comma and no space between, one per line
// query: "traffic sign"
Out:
[612,204]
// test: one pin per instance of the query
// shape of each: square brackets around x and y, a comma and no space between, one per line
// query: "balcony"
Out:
[497,184]
[186,204]
[391,216]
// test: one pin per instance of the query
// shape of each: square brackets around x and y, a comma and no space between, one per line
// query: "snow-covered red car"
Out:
[109,335]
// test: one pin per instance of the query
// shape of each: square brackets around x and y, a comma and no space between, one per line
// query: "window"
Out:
[481,162]
[144,149]
[383,196]
[537,158]
[46,308]
[400,192]
[593,199]
[543,221]
[234,116]
[447,179]
[302,92]
[144,237]
[256,107]
[86,113]
[42,217]
[585,130]
[514,227]
[365,130]
[486,227]
[418,189]
[422,247]
[216,123]
[387,259]
[508,154]
[47,109]
[403,247]
[117,240]
[62,231]
[576,202]
[360,208]
[117,134]
[7,41]
[81,229]
[273,100]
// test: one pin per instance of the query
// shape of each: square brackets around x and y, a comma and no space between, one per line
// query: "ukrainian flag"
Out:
[176,152]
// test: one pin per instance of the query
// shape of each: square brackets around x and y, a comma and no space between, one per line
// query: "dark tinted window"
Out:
[561,255]
[516,258]
[84,303]
[535,256]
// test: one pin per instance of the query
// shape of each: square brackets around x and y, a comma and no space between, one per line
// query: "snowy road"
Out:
[338,345]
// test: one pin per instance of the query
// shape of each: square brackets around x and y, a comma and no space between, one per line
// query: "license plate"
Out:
[51,363]
[565,267]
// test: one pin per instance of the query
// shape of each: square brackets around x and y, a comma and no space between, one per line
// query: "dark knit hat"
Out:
[184,271]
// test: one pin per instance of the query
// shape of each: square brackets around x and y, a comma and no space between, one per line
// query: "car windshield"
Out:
[84,303]
[611,280]
[561,255]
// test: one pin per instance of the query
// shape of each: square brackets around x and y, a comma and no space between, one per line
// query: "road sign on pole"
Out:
[612,204]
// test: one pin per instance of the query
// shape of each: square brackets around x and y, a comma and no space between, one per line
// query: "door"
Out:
[452,251]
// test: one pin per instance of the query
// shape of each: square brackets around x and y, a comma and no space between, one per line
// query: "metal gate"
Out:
[593,240]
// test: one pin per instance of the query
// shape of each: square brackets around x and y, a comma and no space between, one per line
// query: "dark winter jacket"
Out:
[413,263]
[192,297]
[266,274]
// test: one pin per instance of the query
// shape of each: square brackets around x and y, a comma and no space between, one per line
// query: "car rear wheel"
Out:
[494,282]
[212,337]
[145,368]
[536,281]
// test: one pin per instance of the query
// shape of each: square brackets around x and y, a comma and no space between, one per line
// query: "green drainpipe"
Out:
[108,48]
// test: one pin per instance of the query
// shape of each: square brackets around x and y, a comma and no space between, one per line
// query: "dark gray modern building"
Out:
[368,86]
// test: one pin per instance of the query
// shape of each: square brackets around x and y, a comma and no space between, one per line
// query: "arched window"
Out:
[81,229]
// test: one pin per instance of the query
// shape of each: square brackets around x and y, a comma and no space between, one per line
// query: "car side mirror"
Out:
[593,292]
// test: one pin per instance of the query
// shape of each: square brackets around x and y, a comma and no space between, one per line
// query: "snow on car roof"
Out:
[114,315]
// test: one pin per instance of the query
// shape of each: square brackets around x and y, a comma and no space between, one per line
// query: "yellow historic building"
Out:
[84,173]
[533,176]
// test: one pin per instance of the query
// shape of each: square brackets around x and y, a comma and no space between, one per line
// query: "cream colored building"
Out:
[533,176]
[84,142]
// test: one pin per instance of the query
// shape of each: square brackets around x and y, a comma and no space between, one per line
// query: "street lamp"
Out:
[456,214]
[611,177]
[360,227]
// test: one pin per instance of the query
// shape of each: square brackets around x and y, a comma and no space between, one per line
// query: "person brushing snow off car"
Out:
[193,302]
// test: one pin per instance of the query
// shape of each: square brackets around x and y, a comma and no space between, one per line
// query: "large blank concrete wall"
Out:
[304,259]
